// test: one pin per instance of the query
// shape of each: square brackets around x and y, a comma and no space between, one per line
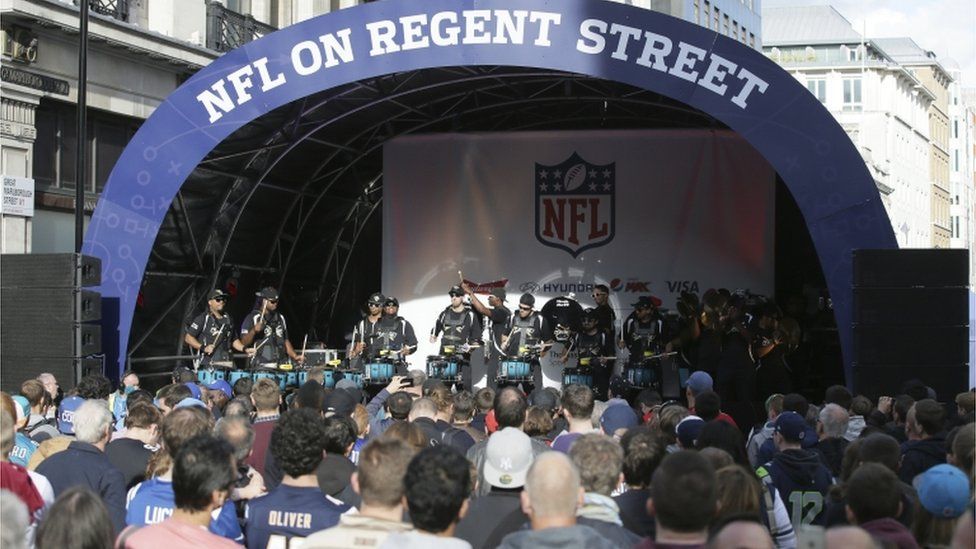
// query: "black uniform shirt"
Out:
[275,332]
[206,327]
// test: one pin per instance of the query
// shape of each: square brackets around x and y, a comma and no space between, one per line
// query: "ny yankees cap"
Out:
[508,457]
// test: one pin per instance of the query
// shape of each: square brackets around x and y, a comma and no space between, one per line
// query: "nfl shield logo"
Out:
[574,204]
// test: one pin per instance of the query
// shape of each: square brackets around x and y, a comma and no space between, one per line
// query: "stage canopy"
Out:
[265,167]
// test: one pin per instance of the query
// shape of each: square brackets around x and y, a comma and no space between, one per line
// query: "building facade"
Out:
[962,168]
[882,105]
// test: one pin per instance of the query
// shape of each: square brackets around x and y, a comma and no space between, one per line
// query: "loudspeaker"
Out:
[887,380]
[47,320]
[928,268]
[911,345]
[913,306]
[50,271]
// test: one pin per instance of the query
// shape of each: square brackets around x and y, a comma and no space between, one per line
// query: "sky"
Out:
[947,27]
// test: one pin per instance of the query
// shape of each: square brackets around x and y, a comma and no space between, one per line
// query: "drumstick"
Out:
[461,276]
[264,306]
[304,344]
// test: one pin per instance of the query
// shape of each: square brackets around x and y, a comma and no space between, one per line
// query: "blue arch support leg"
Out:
[719,76]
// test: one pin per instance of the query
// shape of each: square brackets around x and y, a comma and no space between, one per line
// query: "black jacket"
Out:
[82,464]
[633,512]
[831,452]
[488,515]
[918,455]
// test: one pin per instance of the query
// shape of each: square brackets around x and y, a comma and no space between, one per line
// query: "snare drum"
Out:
[577,376]
[238,374]
[439,367]
[357,377]
[515,369]
[641,377]
[291,379]
[273,376]
[206,376]
[379,372]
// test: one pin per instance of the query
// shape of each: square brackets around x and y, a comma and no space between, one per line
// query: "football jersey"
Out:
[272,521]
[152,502]
[23,449]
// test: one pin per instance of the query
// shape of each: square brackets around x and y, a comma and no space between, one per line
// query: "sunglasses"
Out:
[374,305]
[272,301]
[220,299]
[525,308]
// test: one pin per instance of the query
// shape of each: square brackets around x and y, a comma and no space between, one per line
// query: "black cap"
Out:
[218,294]
[390,300]
[340,402]
[376,299]
[499,293]
[268,293]
[589,314]
[527,299]
[647,301]
[455,291]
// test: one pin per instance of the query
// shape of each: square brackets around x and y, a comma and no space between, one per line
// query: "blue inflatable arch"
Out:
[688,63]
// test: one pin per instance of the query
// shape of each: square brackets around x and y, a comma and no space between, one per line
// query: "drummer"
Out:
[595,350]
[211,334]
[392,337]
[529,337]
[643,331]
[268,330]
[458,327]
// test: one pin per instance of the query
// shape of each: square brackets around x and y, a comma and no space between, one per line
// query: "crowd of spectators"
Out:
[419,465]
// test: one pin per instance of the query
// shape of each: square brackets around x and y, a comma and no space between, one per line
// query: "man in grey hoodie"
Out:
[551,497]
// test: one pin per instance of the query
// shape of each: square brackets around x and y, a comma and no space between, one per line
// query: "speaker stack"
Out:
[911,320]
[48,320]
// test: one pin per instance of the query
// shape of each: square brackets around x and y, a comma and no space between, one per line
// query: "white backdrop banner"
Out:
[552,213]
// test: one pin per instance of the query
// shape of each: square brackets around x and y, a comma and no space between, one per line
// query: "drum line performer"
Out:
[363,331]
[272,327]
[593,345]
[393,334]
[528,330]
[643,333]
[499,321]
[458,328]
[210,333]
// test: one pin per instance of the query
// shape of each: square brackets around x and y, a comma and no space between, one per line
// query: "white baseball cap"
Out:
[508,457]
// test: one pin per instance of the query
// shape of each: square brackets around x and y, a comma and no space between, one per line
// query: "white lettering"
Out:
[381,35]
[297,63]
[752,84]
[268,83]
[513,28]
[626,33]
[334,48]
[664,46]
[474,26]
[214,101]
[718,69]
[241,81]
[592,30]
[546,20]
[688,56]
[437,31]
[413,28]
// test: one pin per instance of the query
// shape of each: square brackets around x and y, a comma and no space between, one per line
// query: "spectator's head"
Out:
[340,435]
[698,383]
[66,414]
[50,384]
[311,396]
[577,402]
[510,406]
[925,419]
[683,497]
[648,399]
[317,374]
[774,406]
[873,492]
[915,389]
[93,422]
[789,431]
[833,421]
[879,448]
[708,405]
[544,399]
[94,386]
[794,402]
[171,395]
[138,396]
[599,406]
[399,405]
[145,417]
[37,397]
[437,486]
[379,477]
[616,420]
[688,431]
[600,460]
[552,490]
[739,491]
[943,493]
[444,401]
[669,418]
[182,374]
[965,402]
[239,407]
[423,408]
[243,387]
[297,442]
[861,406]
[538,422]
[721,435]
[419,378]
[178,427]
[464,407]
[237,432]
[903,403]
[850,537]
[739,531]
[204,473]
[484,399]
[266,396]
[14,517]
[360,416]
[643,452]
[717,457]
[407,433]
[508,457]
[78,518]
[839,395]
[963,449]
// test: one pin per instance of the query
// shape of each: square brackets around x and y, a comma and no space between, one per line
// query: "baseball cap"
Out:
[455,291]
[588,314]
[498,292]
[543,399]
[194,389]
[66,414]
[190,401]
[376,299]
[390,300]
[217,294]
[268,293]
[943,490]
[791,426]
[647,301]
[222,386]
[617,417]
[699,382]
[340,403]
[688,430]
[508,457]
[527,299]
[23,406]
[346,383]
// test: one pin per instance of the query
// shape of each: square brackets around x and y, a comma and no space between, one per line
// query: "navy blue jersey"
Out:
[152,501]
[289,512]
[802,481]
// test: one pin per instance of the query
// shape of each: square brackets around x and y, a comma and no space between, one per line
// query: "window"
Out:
[707,13]
[697,12]
[955,129]
[715,19]
[852,94]
[735,29]
[752,40]
[725,28]
[818,87]
[956,167]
